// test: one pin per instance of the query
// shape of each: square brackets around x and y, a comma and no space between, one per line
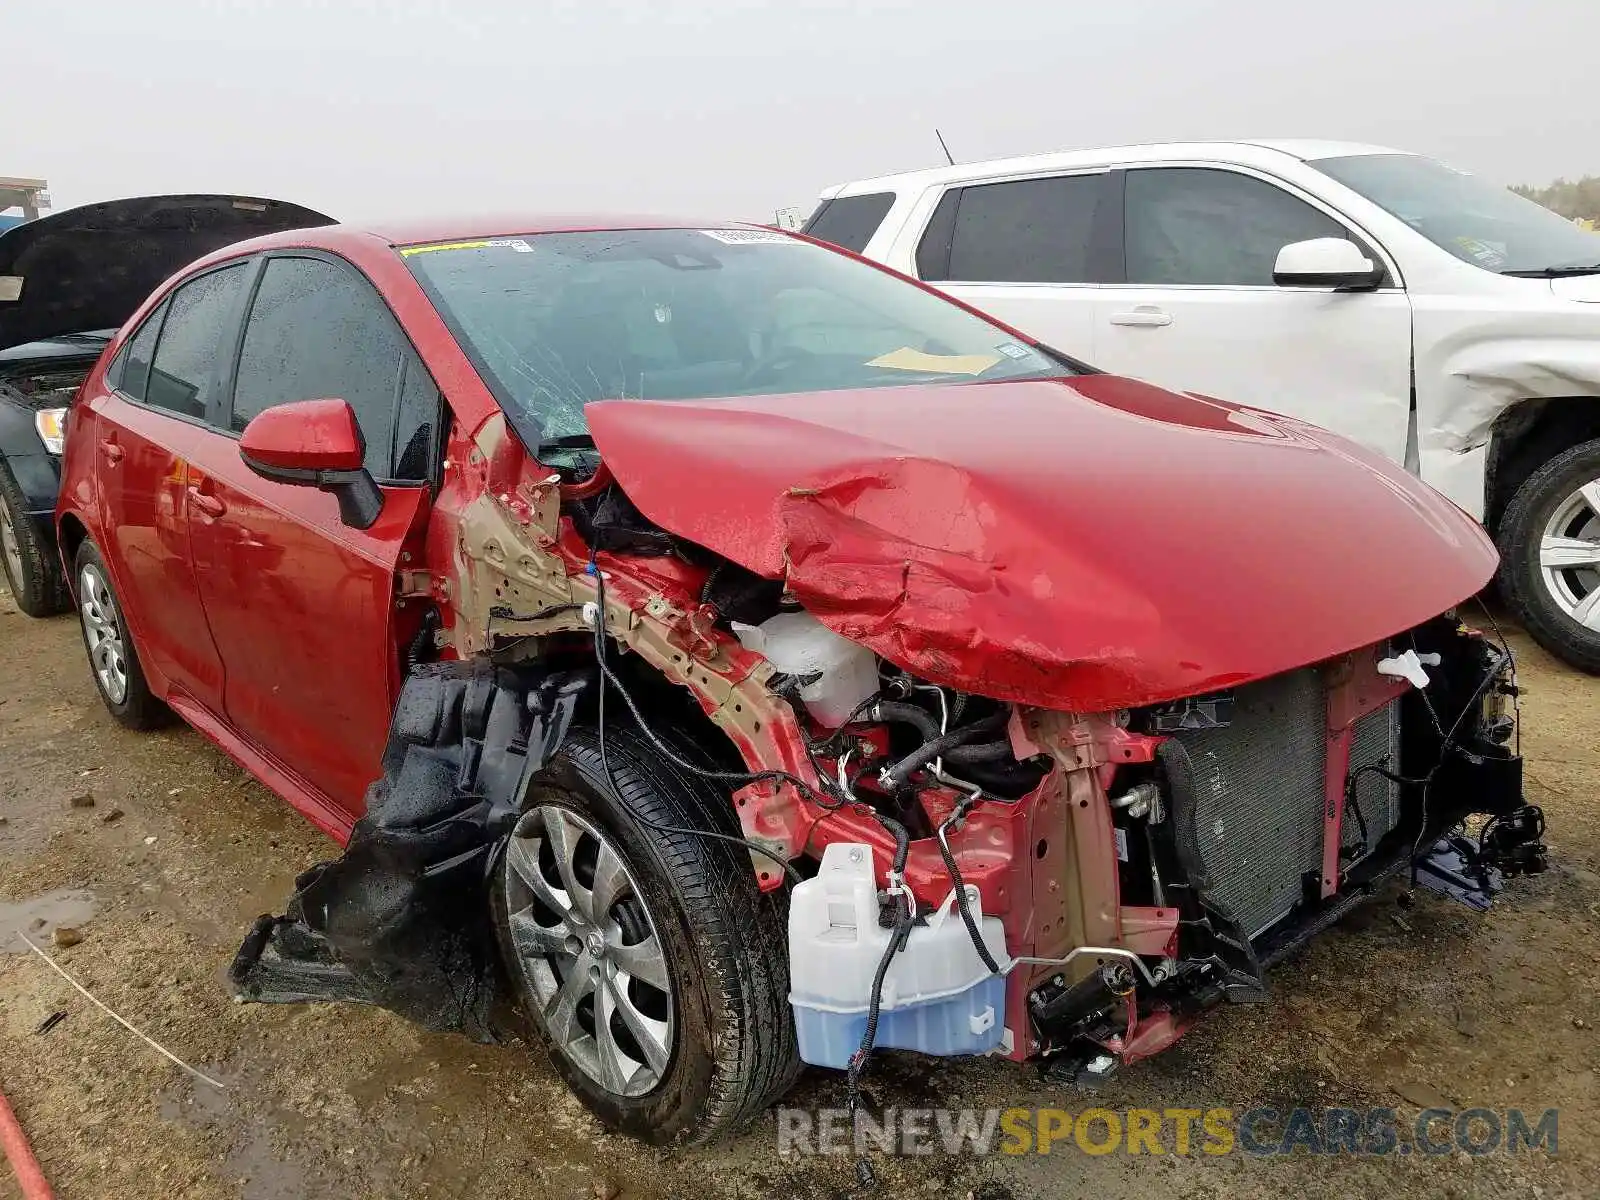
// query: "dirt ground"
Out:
[1397,1006]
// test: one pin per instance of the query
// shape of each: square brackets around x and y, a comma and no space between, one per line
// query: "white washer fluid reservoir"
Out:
[798,644]
[938,997]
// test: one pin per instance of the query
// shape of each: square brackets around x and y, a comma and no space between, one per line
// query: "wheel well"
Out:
[665,704]
[69,536]
[1528,435]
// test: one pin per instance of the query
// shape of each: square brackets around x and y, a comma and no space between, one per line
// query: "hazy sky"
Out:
[736,107]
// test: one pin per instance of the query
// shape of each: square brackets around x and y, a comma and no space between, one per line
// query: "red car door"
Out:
[301,606]
[149,424]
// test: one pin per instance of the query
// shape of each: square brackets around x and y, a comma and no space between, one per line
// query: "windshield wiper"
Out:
[1557,272]
[565,441]
[95,337]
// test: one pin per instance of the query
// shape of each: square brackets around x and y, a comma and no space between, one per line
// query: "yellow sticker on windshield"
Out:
[907,359]
[408,251]
[520,245]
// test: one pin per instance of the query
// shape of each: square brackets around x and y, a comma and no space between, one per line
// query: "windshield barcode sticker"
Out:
[750,237]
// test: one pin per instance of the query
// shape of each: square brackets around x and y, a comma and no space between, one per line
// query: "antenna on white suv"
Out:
[947,155]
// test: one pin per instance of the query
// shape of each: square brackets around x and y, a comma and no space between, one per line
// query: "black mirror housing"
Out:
[1339,281]
[359,496]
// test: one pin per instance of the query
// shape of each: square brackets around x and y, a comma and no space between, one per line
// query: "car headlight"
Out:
[52,426]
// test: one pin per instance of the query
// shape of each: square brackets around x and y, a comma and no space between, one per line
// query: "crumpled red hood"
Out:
[1083,544]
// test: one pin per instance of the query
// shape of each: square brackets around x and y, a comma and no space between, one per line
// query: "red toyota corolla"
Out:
[761,657]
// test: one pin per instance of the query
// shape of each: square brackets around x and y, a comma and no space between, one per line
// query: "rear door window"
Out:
[318,330]
[1199,226]
[849,221]
[131,372]
[201,323]
[1023,231]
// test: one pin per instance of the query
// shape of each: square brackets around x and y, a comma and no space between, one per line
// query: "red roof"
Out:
[438,229]
[415,230]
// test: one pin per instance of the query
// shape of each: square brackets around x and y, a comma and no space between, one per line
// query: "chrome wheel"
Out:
[9,546]
[1569,555]
[103,634]
[588,952]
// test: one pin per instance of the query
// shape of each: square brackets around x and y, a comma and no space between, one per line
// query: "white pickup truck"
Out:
[1423,312]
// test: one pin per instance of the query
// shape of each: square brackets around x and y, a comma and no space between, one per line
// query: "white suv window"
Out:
[1024,231]
[1198,226]
[850,221]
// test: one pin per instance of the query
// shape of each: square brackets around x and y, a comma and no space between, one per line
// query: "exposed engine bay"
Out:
[1035,883]
[47,385]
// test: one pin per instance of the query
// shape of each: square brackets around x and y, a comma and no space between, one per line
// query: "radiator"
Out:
[1259,787]
[1376,743]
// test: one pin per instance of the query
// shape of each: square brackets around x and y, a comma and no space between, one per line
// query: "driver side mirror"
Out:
[1326,263]
[316,443]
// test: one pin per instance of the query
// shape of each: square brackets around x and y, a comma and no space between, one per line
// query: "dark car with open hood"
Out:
[66,282]
[715,653]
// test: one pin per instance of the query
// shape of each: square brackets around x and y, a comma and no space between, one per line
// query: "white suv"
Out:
[1423,312]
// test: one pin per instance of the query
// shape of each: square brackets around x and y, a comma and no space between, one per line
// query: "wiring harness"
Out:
[901,915]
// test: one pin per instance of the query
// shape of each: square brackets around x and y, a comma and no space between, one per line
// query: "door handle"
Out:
[112,451]
[211,505]
[1143,317]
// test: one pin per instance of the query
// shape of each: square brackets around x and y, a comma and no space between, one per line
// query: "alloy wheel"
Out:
[588,951]
[1569,555]
[10,546]
[102,630]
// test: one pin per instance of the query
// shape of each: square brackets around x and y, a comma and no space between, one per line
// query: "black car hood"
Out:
[91,267]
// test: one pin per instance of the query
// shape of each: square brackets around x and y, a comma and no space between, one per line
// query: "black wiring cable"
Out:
[833,802]
[1483,834]
[830,744]
[1353,803]
[1511,658]
[1472,702]
[607,675]
[858,1060]
[1378,768]
[902,844]
[1427,703]
[1446,744]
[962,904]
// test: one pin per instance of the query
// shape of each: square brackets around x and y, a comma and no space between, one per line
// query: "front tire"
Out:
[1549,540]
[648,963]
[113,659]
[29,563]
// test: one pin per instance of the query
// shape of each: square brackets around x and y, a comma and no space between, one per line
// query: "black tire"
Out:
[1521,577]
[734,1050]
[36,581]
[137,707]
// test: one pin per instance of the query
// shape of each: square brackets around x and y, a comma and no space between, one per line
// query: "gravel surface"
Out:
[158,852]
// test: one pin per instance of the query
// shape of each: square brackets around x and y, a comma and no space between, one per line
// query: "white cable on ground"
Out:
[154,1045]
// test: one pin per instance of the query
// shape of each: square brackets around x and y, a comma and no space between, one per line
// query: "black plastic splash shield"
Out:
[1452,867]
[400,919]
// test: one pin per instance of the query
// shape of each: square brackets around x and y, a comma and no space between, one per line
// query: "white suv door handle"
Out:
[1145,316]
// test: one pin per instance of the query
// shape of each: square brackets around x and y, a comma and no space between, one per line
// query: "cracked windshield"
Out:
[556,321]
